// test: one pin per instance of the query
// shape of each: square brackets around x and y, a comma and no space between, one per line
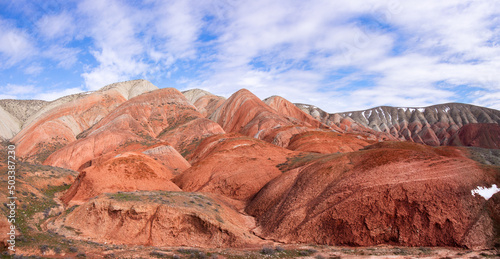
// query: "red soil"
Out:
[392,193]
[127,172]
[485,135]
[327,142]
[233,166]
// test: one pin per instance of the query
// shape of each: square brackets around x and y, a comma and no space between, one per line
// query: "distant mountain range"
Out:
[434,125]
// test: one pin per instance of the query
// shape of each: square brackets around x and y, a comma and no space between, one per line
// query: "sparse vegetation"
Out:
[298,161]
[267,250]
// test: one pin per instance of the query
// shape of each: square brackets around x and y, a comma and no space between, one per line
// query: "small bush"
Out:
[267,250]
[158,254]
[43,248]
[307,252]
[57,250]
[279,249]
[73,249]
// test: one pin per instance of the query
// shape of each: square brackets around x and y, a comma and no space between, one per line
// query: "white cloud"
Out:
[408,53]
[437,42]
[177,26]
[66,57]
[16,91]
[111,26]
[16,45]
[34,69]
[7,96]
[60,25]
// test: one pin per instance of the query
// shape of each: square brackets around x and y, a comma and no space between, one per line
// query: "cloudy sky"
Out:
[338,55]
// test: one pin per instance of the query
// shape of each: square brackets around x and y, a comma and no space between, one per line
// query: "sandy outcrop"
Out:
[193,95]
[22,109]
[157,219]
[391,193]
[208,104]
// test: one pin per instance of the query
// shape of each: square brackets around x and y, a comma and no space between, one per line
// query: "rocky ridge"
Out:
[434,125]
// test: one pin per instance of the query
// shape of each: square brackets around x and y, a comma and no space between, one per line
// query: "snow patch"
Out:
[421,109]
[485,192]
[447,109]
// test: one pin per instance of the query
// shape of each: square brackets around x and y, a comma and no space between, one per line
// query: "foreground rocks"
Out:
[157,219]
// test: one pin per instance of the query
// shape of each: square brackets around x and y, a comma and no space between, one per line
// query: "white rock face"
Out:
[194,94]
[131,89]
[9,125]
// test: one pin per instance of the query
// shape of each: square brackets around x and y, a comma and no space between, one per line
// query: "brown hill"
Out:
[390,193]
[232,165]
[245,113]
[485,135]
[158,116]
[62,124]
[327,142]
[157,219]
[57,123]
[126,172]
[286,108]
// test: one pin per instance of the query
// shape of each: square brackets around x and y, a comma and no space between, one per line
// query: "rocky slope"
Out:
[22,109]
[433,125]
[9,126]
[486,135]
[157,219]
[163,115]
[59,122]
[327,142]
[232,165]
[205,102]
[126,172]
[393,193]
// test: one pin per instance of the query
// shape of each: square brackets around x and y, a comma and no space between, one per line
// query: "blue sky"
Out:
[337,55]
